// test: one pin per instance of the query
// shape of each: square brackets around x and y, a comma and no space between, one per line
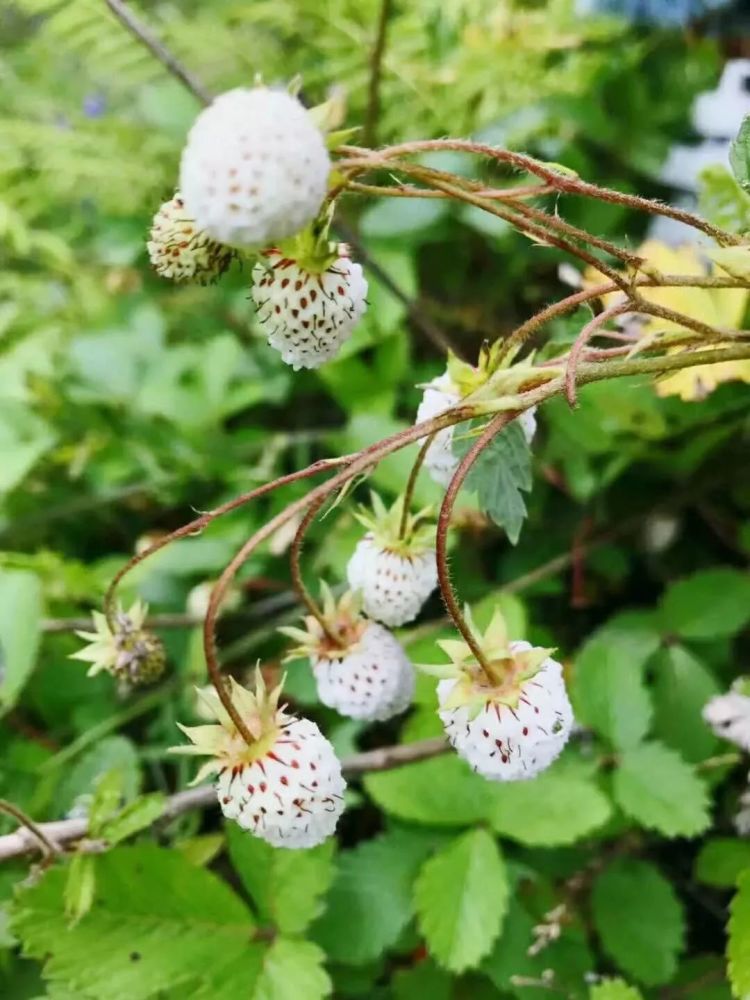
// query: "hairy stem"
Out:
[295,564]
[411,482]
[592,327]
[441,541]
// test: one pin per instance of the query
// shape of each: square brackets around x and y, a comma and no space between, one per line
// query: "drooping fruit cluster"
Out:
[510,717]
[123,647]
[360,668]
[179,250]
[440,395]
[253,180]
[286,786]
[393,567]
[308,308]
[255,168]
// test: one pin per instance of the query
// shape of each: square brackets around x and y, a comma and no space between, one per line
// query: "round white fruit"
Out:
[255,168]
[307,316]
[374,680]
[293,795]
[512,744]
[394,587]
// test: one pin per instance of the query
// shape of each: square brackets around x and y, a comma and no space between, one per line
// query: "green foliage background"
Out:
[126,404]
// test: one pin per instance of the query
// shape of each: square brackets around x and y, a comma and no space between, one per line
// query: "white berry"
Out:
[393,585]
[307,314]
[255,168]
[179,250]
[293,795]
[512,743]
[372,680]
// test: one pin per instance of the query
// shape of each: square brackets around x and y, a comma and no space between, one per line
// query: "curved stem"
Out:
[581,340]
[299,584]
[441,541]
[567,183]
[411,483]
[199,523]
[49,848]
[376,71]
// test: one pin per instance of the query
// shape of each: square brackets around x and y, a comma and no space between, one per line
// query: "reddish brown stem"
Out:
[411,483]
[443,524]
[581,340]
[295,564]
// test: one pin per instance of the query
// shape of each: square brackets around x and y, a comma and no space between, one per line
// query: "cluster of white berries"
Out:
[253,180]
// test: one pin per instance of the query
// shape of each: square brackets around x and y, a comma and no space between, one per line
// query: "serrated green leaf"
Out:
[708,605]
[461,896]
[738,947]
[657,788]
[132,818]
[558,807]
[722,201]
[80,887]
[614,989]
[370,901]
[286,886]
[682,686]
[159,922]
[739,155]
[607,689]
[721,861]
[20,631]
[499,475]
[442,791]
[292,970]
[639,920]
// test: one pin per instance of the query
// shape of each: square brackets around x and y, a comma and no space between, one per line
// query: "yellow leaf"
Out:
[694,384]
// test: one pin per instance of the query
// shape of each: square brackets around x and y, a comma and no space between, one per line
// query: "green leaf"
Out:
[20,631]
[424,980]
[558,807]
[106,801]
[739,155]
[80,887]
[499,475]
[682,686]
[370,902]
[614,989]
[286,886]
[461,896]
[738,948]
[708,605]
[393,218]
[441,791]
[292,970]
[657,788]
[639,920]
[721,861]
[722,201]
[608,691]
[159,923]
[115,753]
[133,818]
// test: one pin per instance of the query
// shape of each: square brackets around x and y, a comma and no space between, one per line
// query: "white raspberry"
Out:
[365,674]
[286,786]
[393,567]
[440,395]
[512,728]
[307,314]
[179,250]
[255,168]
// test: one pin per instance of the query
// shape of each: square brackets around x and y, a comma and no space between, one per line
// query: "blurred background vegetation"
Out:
[127,404]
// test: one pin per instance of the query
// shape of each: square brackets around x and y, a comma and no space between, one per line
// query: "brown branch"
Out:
[147,38]
[376,71]
[37,834]
[441,540]
[581,341]
[67,831]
